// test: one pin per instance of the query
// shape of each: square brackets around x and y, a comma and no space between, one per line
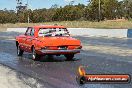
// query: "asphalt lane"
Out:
[55,72]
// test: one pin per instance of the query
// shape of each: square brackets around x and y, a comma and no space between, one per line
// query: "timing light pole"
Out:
[28,19]
[99,11]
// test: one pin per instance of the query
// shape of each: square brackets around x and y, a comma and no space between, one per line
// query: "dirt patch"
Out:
[11,79]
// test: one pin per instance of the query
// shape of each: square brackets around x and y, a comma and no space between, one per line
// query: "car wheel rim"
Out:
[34,54]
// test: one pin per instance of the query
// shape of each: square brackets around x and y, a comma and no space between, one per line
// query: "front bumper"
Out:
[61,51]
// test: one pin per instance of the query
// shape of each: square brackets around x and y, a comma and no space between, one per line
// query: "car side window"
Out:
[32,32]
[28,31]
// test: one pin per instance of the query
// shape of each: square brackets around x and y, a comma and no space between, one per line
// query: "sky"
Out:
[37,4]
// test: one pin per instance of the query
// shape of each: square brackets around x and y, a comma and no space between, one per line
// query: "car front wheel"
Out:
[19,51]
[35,56]
[69,57]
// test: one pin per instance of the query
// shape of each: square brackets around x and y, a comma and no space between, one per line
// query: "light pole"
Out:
[28,19]
[99,11]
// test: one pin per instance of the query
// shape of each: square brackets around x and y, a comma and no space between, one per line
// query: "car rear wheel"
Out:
[69,57]
[19,51]
[35,56]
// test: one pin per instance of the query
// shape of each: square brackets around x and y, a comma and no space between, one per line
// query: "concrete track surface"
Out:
[100,55]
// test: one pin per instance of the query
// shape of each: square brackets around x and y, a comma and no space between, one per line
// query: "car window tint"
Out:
[43,32]
[53,32]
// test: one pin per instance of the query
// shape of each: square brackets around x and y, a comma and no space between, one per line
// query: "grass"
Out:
[76,24]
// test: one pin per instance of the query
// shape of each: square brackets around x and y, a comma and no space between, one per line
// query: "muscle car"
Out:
[47,40]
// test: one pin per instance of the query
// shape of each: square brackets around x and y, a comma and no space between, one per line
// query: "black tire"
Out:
[19,51]
[35,56]
[69,57]
[82,80]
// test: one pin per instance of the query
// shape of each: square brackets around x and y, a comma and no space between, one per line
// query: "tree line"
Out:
[109,10]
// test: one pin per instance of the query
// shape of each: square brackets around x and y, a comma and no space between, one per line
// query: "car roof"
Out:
[49,26]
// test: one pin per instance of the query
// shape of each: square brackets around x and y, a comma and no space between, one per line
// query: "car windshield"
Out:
[44,32]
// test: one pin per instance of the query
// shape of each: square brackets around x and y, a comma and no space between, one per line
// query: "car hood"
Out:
[59,41]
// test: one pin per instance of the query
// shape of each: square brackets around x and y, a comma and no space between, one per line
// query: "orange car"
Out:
[47,40]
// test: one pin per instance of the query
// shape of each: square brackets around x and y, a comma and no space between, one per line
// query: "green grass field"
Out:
[75,24]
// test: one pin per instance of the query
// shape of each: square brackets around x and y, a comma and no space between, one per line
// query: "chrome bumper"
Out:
[61,51]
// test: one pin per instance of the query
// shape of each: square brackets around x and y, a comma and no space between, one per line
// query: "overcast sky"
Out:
[37,4]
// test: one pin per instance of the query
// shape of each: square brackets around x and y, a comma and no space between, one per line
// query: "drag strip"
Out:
[58,73]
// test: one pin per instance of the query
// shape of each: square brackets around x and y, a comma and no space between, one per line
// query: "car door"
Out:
[22,42]
[27,35]
[29,39]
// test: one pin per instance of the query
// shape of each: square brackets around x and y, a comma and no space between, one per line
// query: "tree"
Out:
[69,12]
[127,9]
[110,9]
[92,10]
[120,10]
[7,16]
